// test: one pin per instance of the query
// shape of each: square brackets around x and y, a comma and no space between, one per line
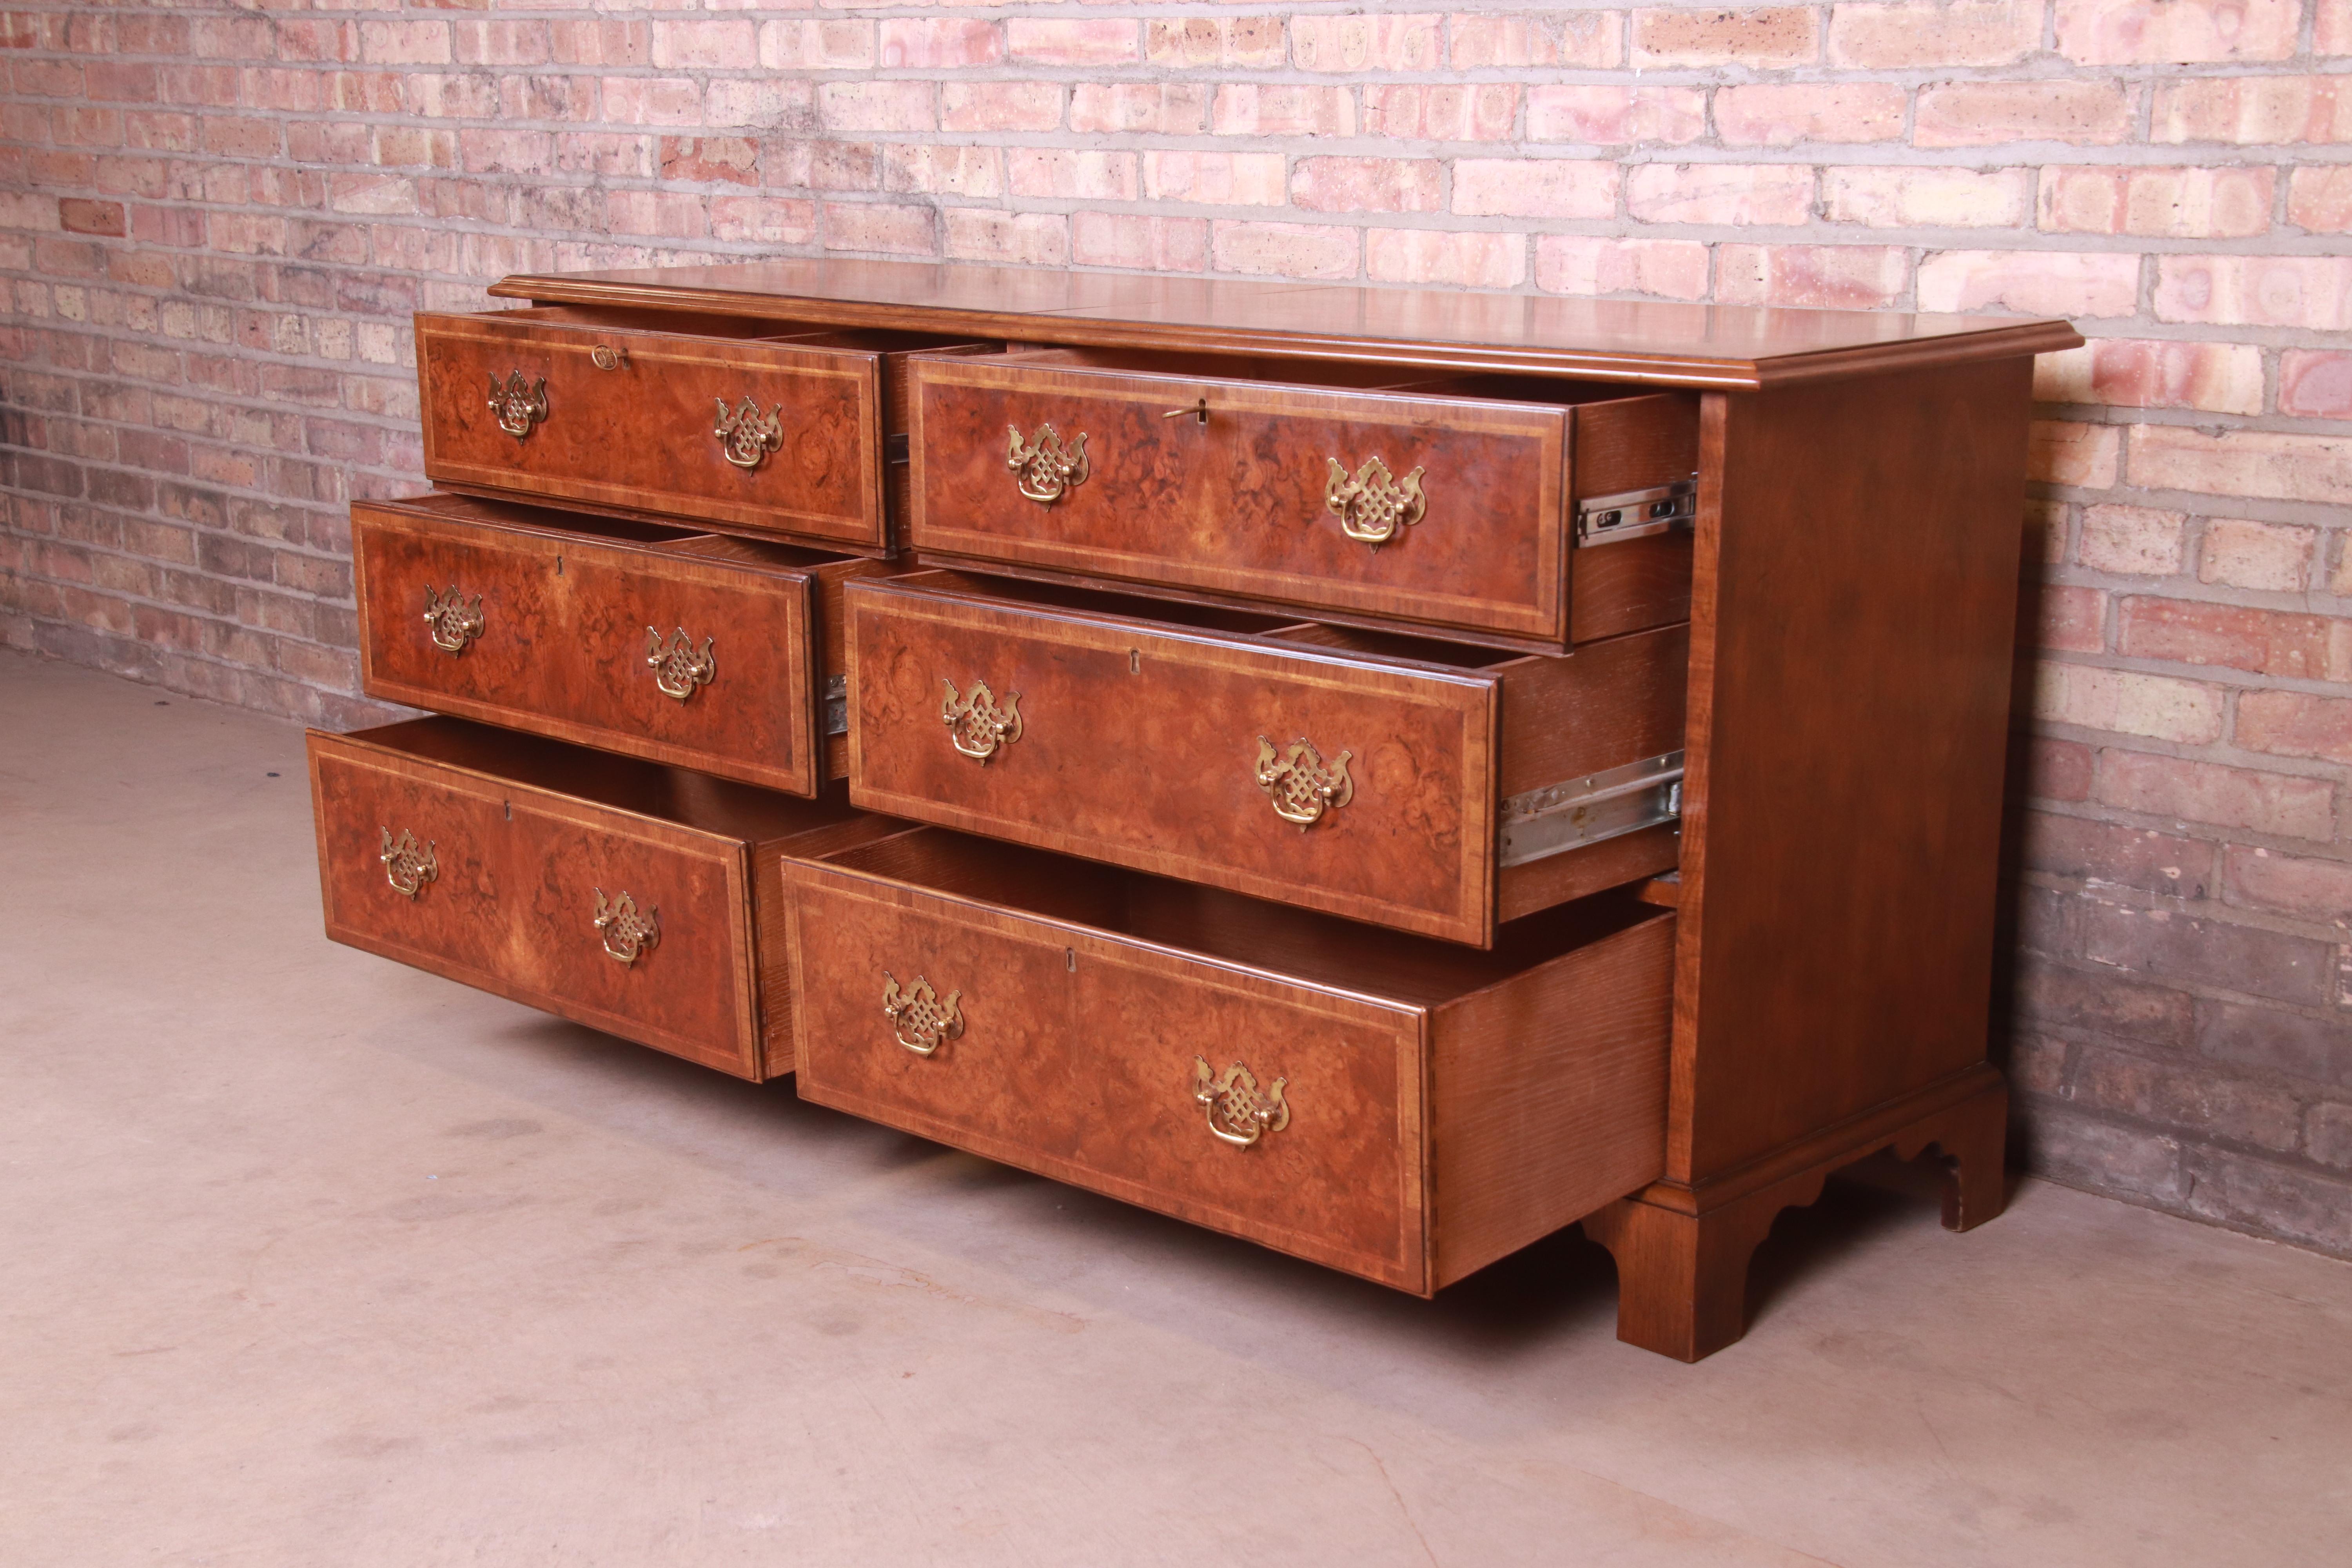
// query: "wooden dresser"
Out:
[1385,775]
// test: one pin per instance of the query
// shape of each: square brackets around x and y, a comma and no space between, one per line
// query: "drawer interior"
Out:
[1236,928]
[1340,374]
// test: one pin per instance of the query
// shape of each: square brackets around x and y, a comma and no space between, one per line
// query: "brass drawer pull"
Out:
[1047,470]
[407,867]
[1374,506]
[679,669]
[519,407]
[746,436]
[1237,1113]
[976,724]
[919,1019]
[452,620]
[1300,784]
[604,356]
[625,932]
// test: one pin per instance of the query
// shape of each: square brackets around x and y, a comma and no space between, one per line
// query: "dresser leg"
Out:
[1973,1138]
[1681,1279]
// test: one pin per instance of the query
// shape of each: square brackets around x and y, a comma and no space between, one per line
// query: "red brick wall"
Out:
[214,220]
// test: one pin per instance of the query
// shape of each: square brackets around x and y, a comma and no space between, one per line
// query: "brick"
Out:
[1476,112]
[1761,38]
[2101,1001]
[414,43]
[1071,176]
[764,220]
[2298,1204]
[876,106]
[1362,184]
[1663,268]
[961,171]
[2061,452]
[2191,1099]
[2191,204]
[2068,619]
[1907,36]
[2237,463]
[2327,1133]
[1473,260]
[1138,242]
[2253,110]
[2134,540]
[2079,1150]
[1590,40]
[1243,110]
[1145,108]
[2275,1041]
[2295,724]
[1232,179]
[2315,384]
[78,217]
[2053,770]
[2250,960]
[2152,32]
[1811,276]
[2226,378]
[1720,192]
[2283,805]
[2035,1064]
[2331,28]
[1205,43]
[1284,250]
[2319,200]
[925,43]
[2040,282]
[2244,553]
[1351,43]
[1616,116]
[2308,291]
[2307,888]
[1987,113]
[1535,187]
[705,160]
[2265,642]
[1024,239]
[877,227]
[1091,42]
[2106,854]
[1007,106]
[1774,115]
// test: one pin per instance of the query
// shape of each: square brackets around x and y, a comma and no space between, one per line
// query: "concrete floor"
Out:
[314,1260]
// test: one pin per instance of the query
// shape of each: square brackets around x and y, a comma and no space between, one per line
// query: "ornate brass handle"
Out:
[976,723]
[1046,470]
[1237,1113]
[678,667]
[1300,784]
[919,1019]
[604,356]
[625,932]
[519,407]
[1374,506]
[452,620]
[746,436]
[407,867]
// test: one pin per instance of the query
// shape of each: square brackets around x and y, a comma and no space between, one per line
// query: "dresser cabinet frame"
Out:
[1854,599]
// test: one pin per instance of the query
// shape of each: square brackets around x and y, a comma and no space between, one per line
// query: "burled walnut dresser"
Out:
[1384,774]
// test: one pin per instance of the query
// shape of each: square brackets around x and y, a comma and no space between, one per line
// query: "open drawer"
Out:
[1433,503]
[698,649]
[1396,1108]
[1429,786]
[640,899]
[751,423]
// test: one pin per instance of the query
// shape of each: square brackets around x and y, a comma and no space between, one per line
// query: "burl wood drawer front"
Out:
[611,891]
[626,417]
[1357,783]
[1388,506]
[500,614]
[1372,1103]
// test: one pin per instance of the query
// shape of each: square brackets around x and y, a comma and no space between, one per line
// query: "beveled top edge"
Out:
[1658,342]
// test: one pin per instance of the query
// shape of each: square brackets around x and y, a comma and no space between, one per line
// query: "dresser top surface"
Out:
[1617,340]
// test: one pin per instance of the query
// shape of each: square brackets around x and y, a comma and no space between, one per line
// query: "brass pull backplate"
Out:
[519,407]
[1238,1112]
[680,669]
[975,722]
[452,620]
[919,1019]
[1045,469]
[625,932]
[1300,784]
[407,867]
[1374,506]
[746,436]
[604,356]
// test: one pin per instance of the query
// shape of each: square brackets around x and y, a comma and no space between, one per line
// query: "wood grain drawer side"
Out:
[1248,489]
[1145,731]
[620,411]
[524,842]
[1439,1107]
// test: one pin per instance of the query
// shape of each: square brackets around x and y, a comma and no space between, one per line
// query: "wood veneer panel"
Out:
[1853,610]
